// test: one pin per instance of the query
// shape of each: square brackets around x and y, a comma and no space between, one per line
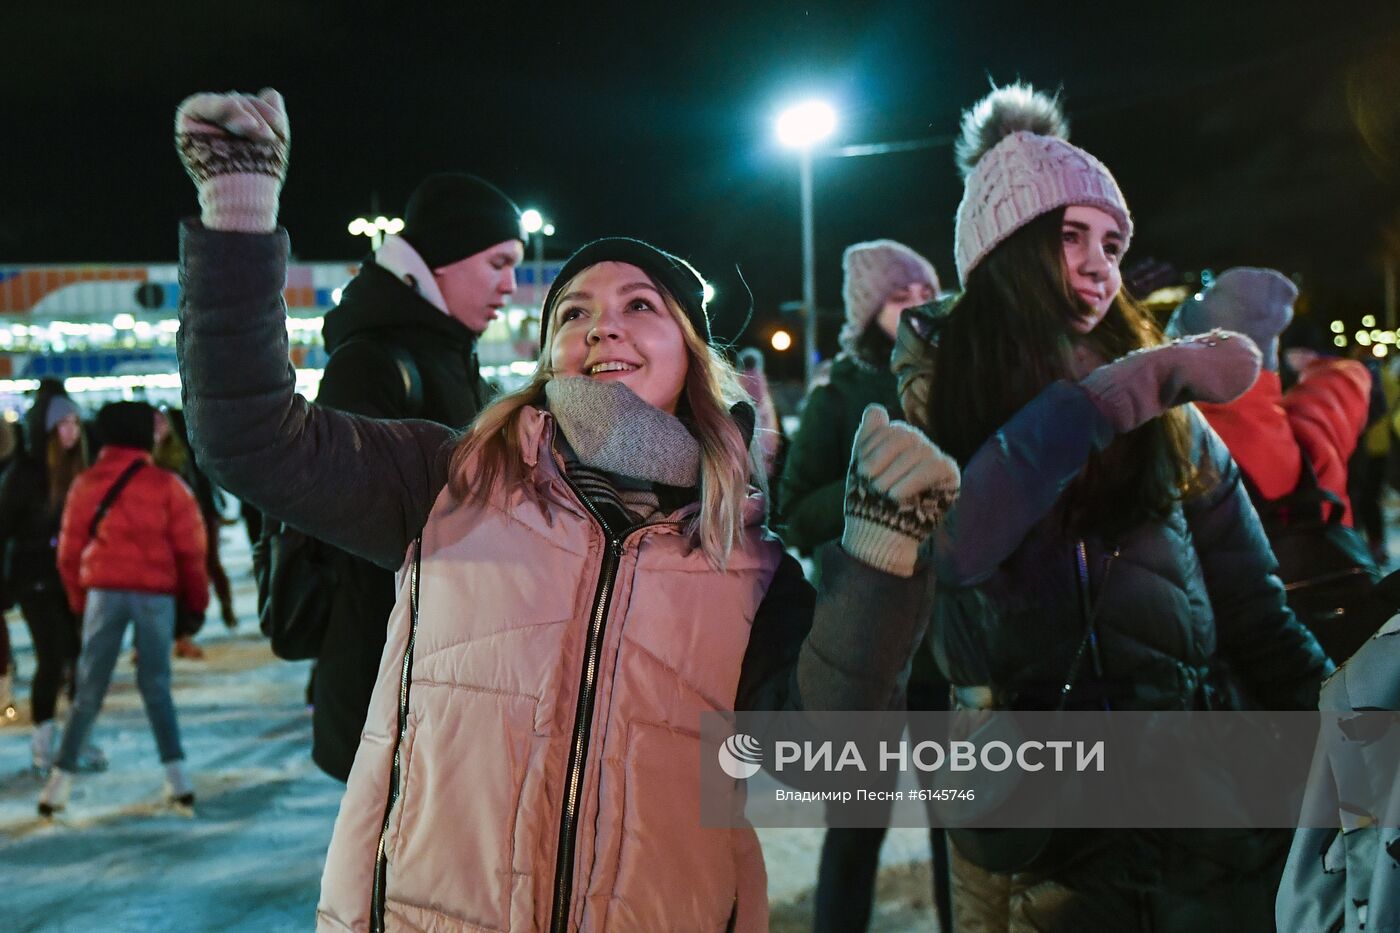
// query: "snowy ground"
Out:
[250,857]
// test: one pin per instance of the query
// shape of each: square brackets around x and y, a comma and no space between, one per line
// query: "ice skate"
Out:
[178,787]
[91,759]
[8,711]
[54,796]
[41,747]
[186,648]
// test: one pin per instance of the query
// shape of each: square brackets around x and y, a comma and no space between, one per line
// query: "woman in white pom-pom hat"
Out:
[1103,554]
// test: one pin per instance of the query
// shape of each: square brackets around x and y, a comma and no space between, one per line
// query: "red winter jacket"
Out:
[151,540]
[1322,417]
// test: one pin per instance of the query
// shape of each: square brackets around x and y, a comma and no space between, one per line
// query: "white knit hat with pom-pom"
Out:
[1017,164]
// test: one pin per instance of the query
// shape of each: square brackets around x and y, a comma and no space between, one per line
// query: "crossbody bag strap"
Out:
[113,491]
[1090,610]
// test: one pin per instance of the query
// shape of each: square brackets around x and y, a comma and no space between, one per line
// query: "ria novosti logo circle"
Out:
[740,756]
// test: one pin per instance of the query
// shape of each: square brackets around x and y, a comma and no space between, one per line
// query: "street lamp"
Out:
[801,127]
[375,229]
[533,223]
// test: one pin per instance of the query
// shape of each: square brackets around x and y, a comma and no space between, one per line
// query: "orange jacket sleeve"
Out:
[1327,411]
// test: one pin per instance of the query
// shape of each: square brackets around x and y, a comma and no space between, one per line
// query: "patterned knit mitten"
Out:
[900,486]
[234,147]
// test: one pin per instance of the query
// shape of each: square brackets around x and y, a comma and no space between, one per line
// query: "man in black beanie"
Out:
[402,344]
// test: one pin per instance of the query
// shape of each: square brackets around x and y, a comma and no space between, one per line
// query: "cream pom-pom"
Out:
[1014,108]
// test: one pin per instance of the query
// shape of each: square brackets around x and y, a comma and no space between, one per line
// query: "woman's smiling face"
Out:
[1093,248]
[612,322]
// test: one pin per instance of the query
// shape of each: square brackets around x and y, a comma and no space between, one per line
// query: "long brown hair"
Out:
[63,466]
[488,454]
[1008,336]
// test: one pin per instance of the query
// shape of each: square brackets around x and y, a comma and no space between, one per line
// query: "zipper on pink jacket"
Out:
[381,862]
[583,716]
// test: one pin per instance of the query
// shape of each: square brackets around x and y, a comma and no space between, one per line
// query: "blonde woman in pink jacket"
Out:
[587,570]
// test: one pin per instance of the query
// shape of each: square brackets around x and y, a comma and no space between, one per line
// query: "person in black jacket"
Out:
[402,344]
[882,278]
[31,503]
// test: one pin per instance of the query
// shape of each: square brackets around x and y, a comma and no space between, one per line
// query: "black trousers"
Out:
[57,637]
[850,856]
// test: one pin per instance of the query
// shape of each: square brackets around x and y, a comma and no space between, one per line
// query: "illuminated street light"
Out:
[376,229]
[806,124]
[781,340]
[801,127]
[533,223]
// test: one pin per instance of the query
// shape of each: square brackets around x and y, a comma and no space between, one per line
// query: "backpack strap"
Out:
[1307,501]
[412,380]
[112,492]
[408,372]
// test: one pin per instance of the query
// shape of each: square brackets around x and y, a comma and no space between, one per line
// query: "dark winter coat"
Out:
[1189,615]
[378,310]
[814,477]
[28,523]
[1185,602]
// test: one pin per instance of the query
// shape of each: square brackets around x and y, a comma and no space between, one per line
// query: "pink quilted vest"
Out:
[548,772]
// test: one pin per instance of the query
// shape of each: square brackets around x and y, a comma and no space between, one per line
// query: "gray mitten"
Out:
[234,147]
[900,487]
[1219,366]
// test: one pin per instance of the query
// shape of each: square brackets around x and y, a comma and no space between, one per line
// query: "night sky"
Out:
[1241,133]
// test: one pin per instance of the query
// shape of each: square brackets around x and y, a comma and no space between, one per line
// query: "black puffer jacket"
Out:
[814,477]
[376,308]
[1187,608]
[375,311]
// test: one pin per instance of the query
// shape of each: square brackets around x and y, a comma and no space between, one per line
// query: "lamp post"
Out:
[533,223]
[375,229]
[801,127]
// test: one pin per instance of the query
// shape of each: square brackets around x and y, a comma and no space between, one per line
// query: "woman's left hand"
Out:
[898,489]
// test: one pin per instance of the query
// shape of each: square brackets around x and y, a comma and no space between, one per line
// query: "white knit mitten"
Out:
[899,488]
[1216,367]
[234,147]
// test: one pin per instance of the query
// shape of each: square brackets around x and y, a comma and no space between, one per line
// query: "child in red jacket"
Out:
[130,549]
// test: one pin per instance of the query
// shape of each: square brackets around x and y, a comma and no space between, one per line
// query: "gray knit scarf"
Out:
[611,429]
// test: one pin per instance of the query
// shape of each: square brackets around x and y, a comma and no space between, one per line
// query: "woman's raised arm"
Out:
[360,484]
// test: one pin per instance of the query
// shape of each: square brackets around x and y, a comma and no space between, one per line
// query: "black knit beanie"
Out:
[673,273]
[451,216]
[127,424]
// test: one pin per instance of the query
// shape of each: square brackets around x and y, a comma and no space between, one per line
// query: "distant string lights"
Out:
[1380,341]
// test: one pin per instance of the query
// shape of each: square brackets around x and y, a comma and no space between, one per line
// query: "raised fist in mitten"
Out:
[234,147]
[1219,366]
[900,486]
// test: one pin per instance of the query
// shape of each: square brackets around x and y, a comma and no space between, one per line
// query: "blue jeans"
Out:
[104,624]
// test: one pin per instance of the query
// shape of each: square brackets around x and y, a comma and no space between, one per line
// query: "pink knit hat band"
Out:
[1020,178]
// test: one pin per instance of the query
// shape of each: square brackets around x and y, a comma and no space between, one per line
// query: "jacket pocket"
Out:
[672,874]
[454,827]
